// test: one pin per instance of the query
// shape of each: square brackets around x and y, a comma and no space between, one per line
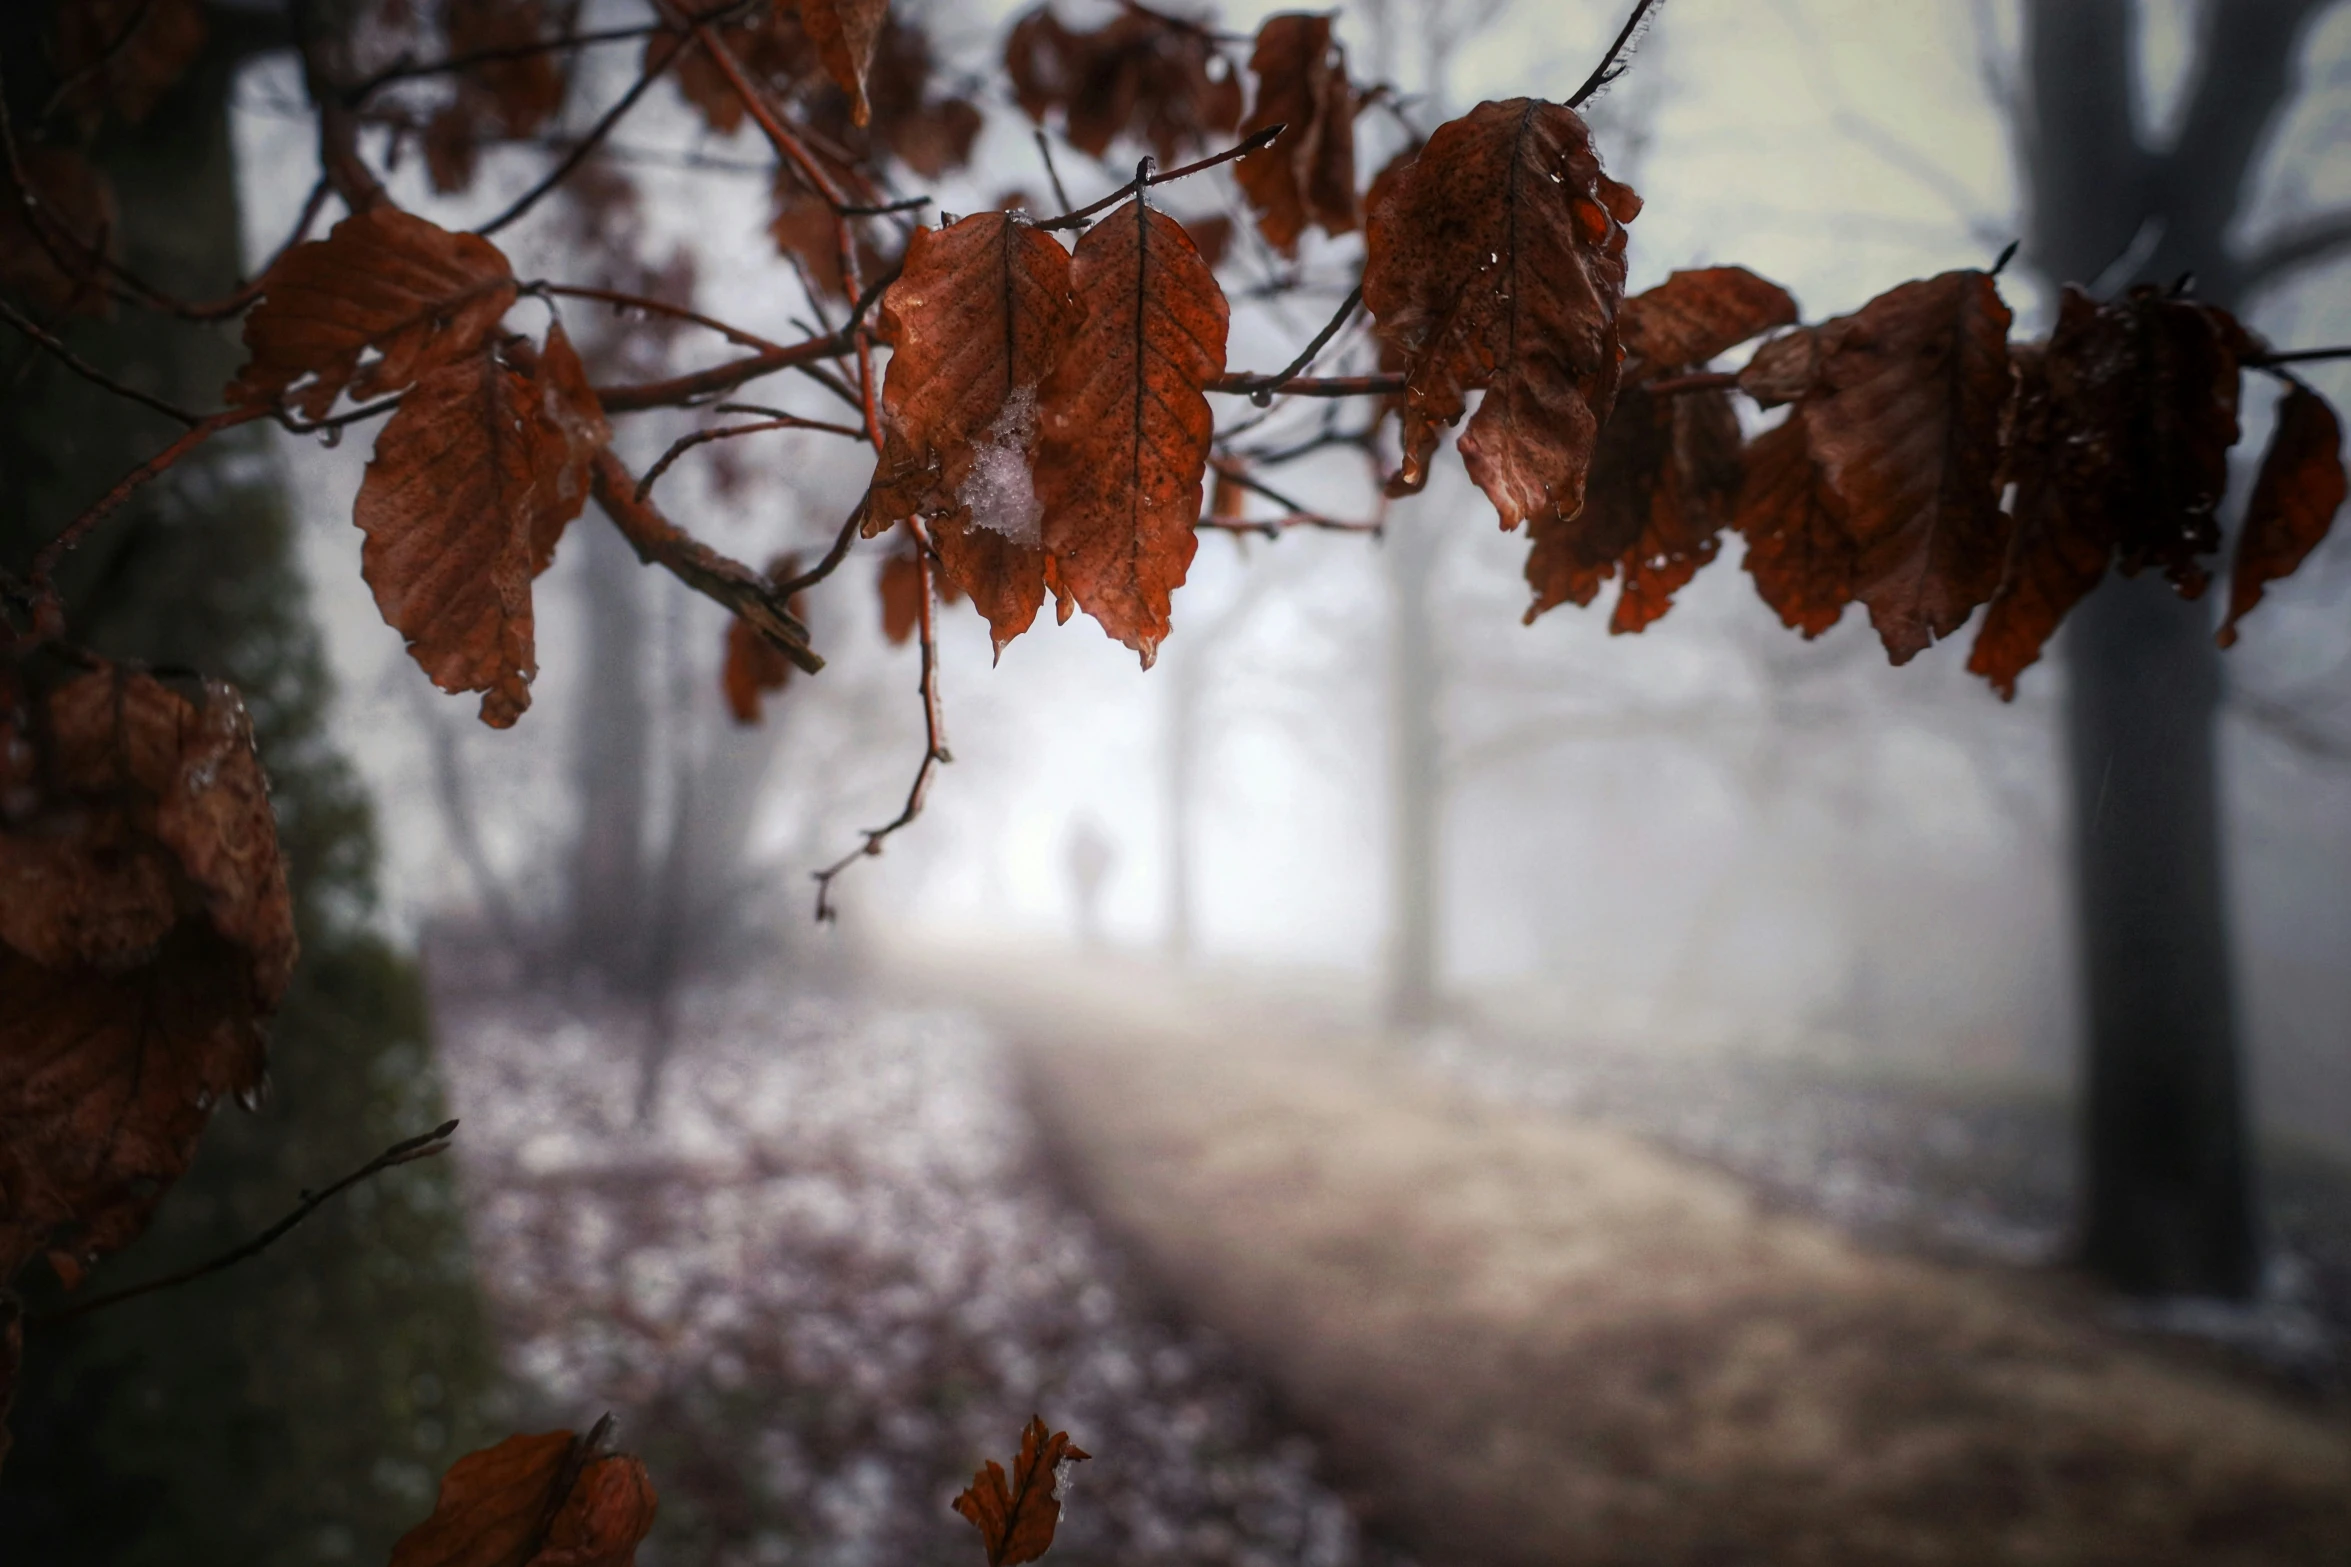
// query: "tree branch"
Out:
[660,542]
[1145,178]
[1616,61]
[2305,244]
[686,443]
[407,1151]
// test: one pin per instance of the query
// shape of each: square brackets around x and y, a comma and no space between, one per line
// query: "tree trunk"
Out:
[610,898]
[2167,1186]
[1416,795]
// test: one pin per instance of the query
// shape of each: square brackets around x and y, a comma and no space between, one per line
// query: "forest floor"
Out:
[830,1275]
[1530,1336]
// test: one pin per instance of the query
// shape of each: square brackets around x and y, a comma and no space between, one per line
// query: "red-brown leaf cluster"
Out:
[125,55]
[1307,177]
[513,93]
[145,939]
[1496,264]
[548,1500]
[1156,78]
[1016,1515]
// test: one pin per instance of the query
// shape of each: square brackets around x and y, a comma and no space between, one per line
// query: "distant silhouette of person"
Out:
[1091,856]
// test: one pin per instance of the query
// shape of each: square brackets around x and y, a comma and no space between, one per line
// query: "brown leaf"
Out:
[53,276]
[1797,549]
[769,42]
[2063,535]
[1783,369]
[418,295]
[568,404]
[975,323]
[900,583]
[1905,423]
[1664,474]
[1126,426]
[470,484]
[1694,315]
[1307,176]
[521,92]
[1141,74]
[1211,236]
[534,1501]
[1497,261]
[2177,410]
[2294,501]
[1016,1519]
[145,938]
[125,54]
[845,32]
[754,665]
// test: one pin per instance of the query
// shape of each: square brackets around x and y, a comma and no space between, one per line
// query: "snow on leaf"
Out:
[1496,262]
[1016,1517]
[382,280]
[976,321]
[1125,430]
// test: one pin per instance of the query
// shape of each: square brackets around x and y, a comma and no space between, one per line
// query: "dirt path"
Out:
[1527,1339]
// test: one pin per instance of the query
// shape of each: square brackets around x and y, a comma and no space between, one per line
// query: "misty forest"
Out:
[874,783]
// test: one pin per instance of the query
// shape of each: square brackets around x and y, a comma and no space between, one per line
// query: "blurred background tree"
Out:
[298,1408]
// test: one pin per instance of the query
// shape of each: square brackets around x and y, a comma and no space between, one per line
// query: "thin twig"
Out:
[1699,381]
[934,724]
[1143,178]
[406,1151]
[686,443]
[886,208]
[45,563]
[406,70]
[842,542]
[621,301]
[698,384]
[1609,68]
[1249,384]
[1060,194]
[588,143]
[2297,356]
[1264,394]
[90,372]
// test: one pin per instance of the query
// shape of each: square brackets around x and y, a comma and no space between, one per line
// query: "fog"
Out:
[1759,949]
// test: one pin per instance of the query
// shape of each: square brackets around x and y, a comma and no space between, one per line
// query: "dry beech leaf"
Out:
[386,280]
[1140,74]
[1696,314]
[126,54]
[844,32]
[146,936]
[769,42]
[500,1507]
[2063,532]
[2119,454]
[1125,423]
[900,586]
[512,96]
[76,196]
[1664,476]
[1307,177]
[1496,261]
[2294,501]
[1905,421]
[471,482]
[1797,549]
[1016,1518]
[754,665]
[975,323]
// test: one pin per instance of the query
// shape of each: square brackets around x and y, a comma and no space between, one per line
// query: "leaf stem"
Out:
[1080,218]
